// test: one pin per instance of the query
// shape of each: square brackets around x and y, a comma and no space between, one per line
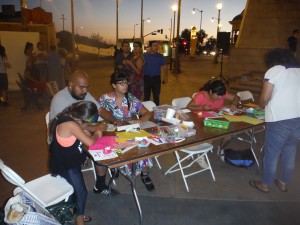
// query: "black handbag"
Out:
[64,212]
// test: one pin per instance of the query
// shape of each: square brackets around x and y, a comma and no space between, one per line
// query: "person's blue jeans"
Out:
[75,178]
[281,139]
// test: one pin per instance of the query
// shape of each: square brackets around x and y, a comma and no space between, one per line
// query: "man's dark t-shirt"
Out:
[292,43]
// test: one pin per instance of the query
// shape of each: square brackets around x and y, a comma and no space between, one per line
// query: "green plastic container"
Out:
[222,124]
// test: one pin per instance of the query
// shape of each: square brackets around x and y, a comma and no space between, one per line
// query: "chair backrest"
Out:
[13,178]
[10,175]
[149,105]
[194,94]
[181,102]
[47,119]
[245,95]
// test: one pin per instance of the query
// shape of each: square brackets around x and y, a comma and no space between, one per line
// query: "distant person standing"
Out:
[4,64]
[55,69]
[40,61]
[292,41]
[153,62]
[120,60]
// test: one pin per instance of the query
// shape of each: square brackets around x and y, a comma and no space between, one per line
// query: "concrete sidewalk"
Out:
[228,200]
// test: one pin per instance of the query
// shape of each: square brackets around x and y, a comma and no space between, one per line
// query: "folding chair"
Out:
[248,96]
[46,190]
[181,103]
[30,97]
[245,95]
[199,151]
[150,105]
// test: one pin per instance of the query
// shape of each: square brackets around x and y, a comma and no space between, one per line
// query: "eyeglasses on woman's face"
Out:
[136,46]
[123,83]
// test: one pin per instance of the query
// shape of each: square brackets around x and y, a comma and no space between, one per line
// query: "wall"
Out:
[266,24]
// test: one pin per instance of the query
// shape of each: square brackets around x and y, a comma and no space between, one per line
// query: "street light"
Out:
[219,7]
[117,21]
[142,31]
[201,11]
[77,29]
[134,30]
[177,62]
[174,8]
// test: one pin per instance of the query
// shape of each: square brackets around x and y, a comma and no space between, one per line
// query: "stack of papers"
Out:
[99,155]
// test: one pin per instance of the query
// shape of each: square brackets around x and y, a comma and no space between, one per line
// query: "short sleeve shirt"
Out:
[153,63]
[108,102]
[201,99]
[285,99]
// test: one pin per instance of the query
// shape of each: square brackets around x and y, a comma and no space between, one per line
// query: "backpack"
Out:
[238,158]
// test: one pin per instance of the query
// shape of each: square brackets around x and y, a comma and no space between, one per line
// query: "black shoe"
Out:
[148,183]
[105,191]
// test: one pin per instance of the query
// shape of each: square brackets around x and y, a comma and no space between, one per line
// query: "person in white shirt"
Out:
[281,99]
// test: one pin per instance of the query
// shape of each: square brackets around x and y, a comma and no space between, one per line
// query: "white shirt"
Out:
[285,99]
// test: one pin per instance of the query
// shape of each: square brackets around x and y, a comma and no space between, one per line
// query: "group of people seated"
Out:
[74,113]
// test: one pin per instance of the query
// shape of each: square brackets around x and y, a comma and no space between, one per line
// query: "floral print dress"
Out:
[108,102]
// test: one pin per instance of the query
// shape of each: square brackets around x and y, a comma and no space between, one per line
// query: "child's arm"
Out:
[77,131]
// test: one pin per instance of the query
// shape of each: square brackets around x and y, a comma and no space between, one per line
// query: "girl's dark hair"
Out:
[27,46]
[280,56]
[215,86]
[83,111]
[2,52]
[138,43]
[117,77]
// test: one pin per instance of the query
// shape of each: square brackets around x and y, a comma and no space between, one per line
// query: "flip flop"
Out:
[282,187]
[87,219]
[253,184]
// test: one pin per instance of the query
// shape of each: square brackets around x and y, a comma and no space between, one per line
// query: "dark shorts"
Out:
[3,81]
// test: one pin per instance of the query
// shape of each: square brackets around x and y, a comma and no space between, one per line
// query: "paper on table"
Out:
[124,136]
[148,124]
[246,119]
[102,142]
[99,155]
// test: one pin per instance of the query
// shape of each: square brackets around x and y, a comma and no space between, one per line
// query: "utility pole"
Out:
[117,22]
[176,68]
[63,20]
[72,19]
[142,22]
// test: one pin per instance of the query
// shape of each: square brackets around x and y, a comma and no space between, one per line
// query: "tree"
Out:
[186,34]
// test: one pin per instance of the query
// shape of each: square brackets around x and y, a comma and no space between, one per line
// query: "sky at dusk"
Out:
[99,16]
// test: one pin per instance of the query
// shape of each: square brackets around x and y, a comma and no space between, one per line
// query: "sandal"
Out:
[281,186]
[87,219]
[258,185]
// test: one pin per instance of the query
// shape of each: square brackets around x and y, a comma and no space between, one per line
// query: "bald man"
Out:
[74,92]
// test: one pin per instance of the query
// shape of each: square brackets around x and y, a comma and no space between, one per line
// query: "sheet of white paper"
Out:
[185,110]
[98,155]
[128,148]
[148,124]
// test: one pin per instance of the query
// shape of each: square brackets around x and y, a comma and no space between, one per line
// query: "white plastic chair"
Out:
[181,103]
[46,190]
[245,95]
[199,151]
[150,105]
[194,94]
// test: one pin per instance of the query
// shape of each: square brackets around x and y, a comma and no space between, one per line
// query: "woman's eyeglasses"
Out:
[136,46]
[123,83]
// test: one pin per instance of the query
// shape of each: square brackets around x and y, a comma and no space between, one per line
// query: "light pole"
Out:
[219,7]
[117,21]
[142,31]
[134,30]
[201,11]
[72,20]
[177,62]
[77,29]
[174,8]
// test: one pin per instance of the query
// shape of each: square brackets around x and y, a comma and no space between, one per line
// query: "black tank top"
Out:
[64,158]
